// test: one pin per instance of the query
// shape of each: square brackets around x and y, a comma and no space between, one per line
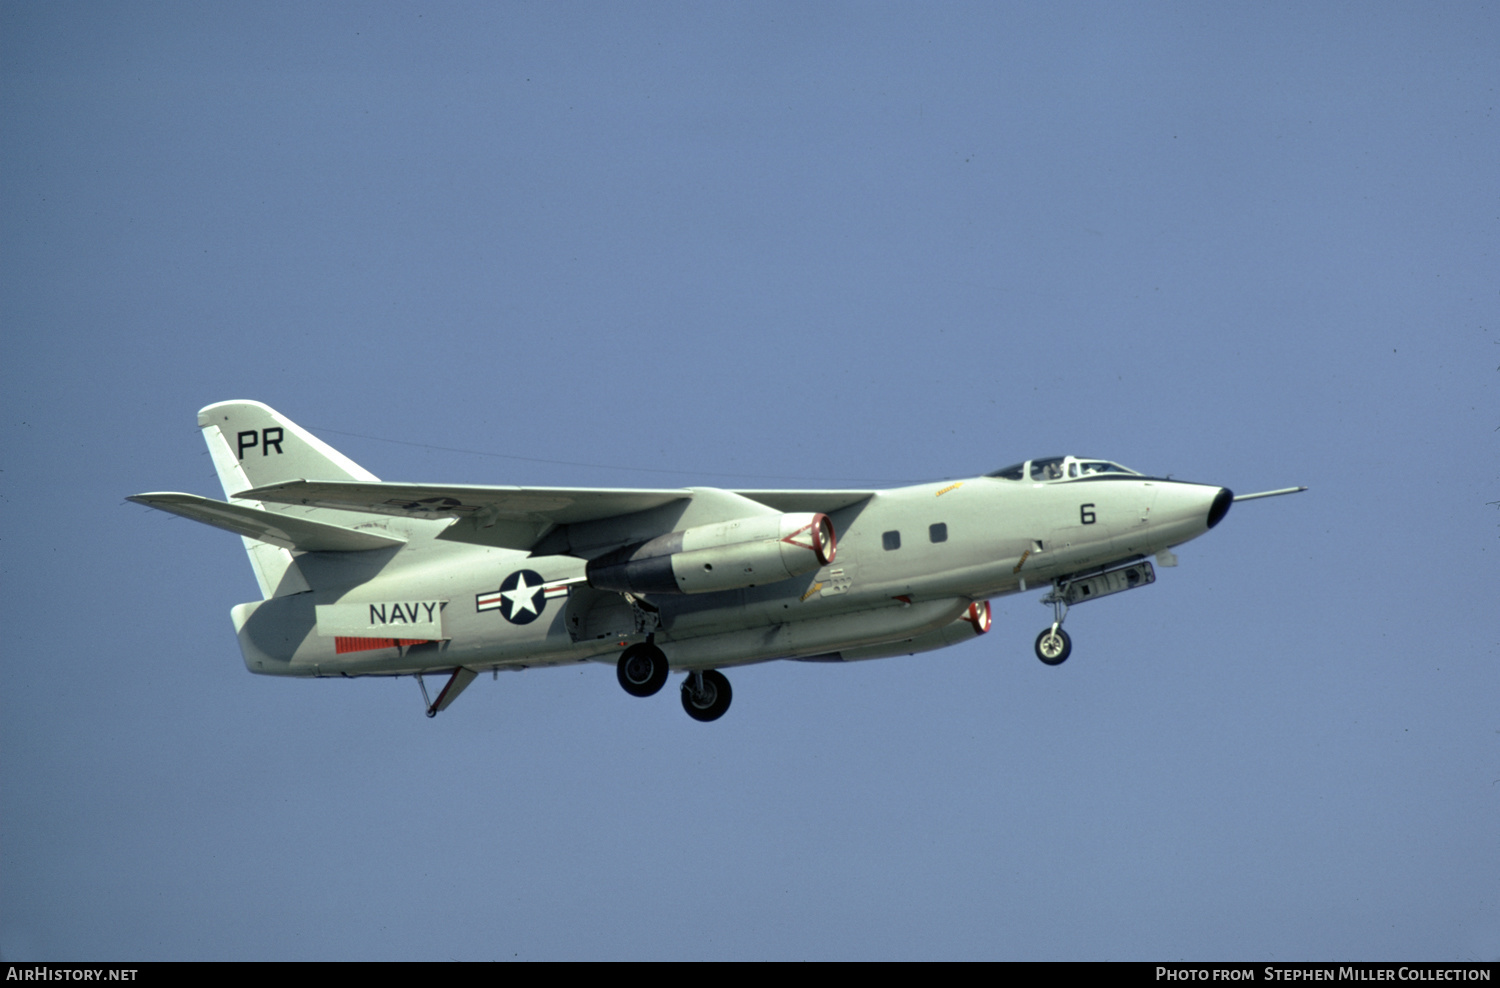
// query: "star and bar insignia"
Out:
[523,596]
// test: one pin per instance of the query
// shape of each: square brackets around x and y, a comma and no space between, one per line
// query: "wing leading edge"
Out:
[518,517]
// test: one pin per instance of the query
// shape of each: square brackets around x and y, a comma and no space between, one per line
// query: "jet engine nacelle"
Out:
[746,552]
[974,622]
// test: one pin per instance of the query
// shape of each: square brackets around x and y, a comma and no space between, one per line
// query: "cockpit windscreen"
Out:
[1061,468]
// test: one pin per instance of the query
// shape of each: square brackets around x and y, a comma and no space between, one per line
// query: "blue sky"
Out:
[763,245]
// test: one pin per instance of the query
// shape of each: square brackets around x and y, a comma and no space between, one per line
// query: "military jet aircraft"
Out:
[365,578]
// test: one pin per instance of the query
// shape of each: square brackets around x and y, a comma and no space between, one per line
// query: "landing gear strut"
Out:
[1053,646]
[706,695]
[642,669]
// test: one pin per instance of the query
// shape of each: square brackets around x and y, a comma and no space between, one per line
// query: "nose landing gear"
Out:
[1053,646]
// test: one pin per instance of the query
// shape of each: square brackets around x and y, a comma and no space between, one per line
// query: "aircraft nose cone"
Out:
[1220,507]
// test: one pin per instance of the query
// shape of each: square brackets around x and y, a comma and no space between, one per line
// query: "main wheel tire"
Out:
[642,669]
[1053,647]
[711,703]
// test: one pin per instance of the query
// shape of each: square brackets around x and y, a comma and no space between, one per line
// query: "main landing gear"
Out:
[642,671]
[1053,646]
[706,695]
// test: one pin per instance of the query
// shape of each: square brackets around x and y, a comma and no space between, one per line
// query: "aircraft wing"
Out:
[557,505]
[507,517]
[553,505]
[824,501]
[519,517]
[287,531]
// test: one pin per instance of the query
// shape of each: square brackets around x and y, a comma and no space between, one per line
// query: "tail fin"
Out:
[253,445]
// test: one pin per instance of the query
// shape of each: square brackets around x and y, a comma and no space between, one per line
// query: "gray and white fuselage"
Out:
[366,578]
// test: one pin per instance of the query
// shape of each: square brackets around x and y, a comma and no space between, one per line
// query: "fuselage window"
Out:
[891,540]
[938,532]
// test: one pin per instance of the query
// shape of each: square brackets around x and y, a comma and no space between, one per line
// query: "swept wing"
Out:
[518,517]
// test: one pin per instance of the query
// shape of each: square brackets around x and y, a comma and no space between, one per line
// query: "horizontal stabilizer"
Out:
[287,531]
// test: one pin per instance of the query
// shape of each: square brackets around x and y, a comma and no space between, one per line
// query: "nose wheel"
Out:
[1053,646]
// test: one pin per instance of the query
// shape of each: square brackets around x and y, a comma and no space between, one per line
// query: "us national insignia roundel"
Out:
[520,600]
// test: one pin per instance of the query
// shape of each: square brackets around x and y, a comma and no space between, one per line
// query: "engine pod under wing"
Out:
[745,552]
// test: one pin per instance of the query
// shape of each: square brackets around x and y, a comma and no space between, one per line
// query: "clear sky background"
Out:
[769,245]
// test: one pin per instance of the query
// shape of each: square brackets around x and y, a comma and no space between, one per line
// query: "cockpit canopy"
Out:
[1062,468]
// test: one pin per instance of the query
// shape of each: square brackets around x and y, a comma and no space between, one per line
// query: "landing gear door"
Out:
[1091,588]
[595,614]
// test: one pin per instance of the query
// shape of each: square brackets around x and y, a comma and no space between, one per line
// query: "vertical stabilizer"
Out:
[253,445]
[257,446]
